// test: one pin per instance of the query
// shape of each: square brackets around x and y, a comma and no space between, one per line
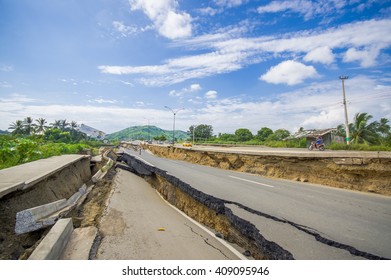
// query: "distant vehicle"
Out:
[319,147]
[187,144]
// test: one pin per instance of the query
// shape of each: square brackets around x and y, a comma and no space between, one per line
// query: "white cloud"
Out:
[229,3]
[127,83]
[124,30]
[211,94]
[183,91]
[208,11]
[176,25]
[101,100]
[167,20]
[227,52]
[289,72]
[195,87]
[315,106]
[321,54]
[366,57]
[17,98]
[305,7]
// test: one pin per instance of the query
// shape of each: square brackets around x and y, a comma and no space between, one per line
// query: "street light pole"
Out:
[173,127]
[149,131]
[343,78]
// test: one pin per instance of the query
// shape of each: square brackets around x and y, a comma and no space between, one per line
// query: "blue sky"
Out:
[228,63]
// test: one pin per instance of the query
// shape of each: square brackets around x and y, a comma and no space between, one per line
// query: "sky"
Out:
[227,63]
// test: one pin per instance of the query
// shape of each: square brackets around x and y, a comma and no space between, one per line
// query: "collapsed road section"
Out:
[361,171]
[208,210]
[306,221]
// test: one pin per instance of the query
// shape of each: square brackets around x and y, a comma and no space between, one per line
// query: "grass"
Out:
[18,150]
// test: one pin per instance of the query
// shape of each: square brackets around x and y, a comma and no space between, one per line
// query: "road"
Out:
[358,225]
[140,225]
[297,152]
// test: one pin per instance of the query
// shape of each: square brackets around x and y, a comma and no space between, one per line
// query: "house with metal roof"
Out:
[328,135]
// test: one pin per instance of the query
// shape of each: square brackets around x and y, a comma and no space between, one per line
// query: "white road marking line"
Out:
[265,185]
[143,160]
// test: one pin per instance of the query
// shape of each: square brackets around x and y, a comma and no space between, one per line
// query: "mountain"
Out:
[91,132]
[145,133]
[4,132]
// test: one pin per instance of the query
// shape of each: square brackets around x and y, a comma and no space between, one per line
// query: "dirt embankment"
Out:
[361,174]
[58,186]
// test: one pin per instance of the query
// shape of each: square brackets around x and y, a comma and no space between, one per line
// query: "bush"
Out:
[357,147]
[14,150]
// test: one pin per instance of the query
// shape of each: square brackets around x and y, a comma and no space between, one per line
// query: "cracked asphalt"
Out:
[310,221]
[139,225]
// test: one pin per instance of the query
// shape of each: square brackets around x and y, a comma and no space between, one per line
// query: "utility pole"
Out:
[343,78]
[173,129]
[193,133]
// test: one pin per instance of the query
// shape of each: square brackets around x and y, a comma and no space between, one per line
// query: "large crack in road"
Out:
[255,240]
[312,232]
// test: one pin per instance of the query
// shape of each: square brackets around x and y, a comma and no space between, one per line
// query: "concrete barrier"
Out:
[47,214]
[30,219]
[54,243]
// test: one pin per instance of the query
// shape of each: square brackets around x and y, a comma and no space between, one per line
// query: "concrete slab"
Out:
[140,225]
[54,243]
[28,174]
[80,243]
[29,220]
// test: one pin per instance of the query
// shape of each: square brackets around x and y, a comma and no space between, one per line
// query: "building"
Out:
[328,135]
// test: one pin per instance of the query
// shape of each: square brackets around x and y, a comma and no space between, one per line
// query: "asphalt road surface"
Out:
[310,221]
[140,225]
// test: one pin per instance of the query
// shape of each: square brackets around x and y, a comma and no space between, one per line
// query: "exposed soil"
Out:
[361,174]
[369,175]
[58,186]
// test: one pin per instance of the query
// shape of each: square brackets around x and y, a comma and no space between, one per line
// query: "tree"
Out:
[243,134]
[160,138]
[201,132]
[362,132]
[41,126]
[264,133]
[278,135]
[228,137]
[56,135]
[17,127]
[28,125]
[64,125]
[73,125]
[382,127]
[56,124]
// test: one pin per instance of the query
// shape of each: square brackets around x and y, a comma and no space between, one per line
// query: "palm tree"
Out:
[17,127]
[383,127]
[63,124]
[73,125]
[41,126]
[56,124]
[28,125]
[361,131]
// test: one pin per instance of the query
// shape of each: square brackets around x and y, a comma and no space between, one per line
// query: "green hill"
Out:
[144,133]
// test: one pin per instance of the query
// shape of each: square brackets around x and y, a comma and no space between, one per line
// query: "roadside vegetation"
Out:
[31,141]
[365,134]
